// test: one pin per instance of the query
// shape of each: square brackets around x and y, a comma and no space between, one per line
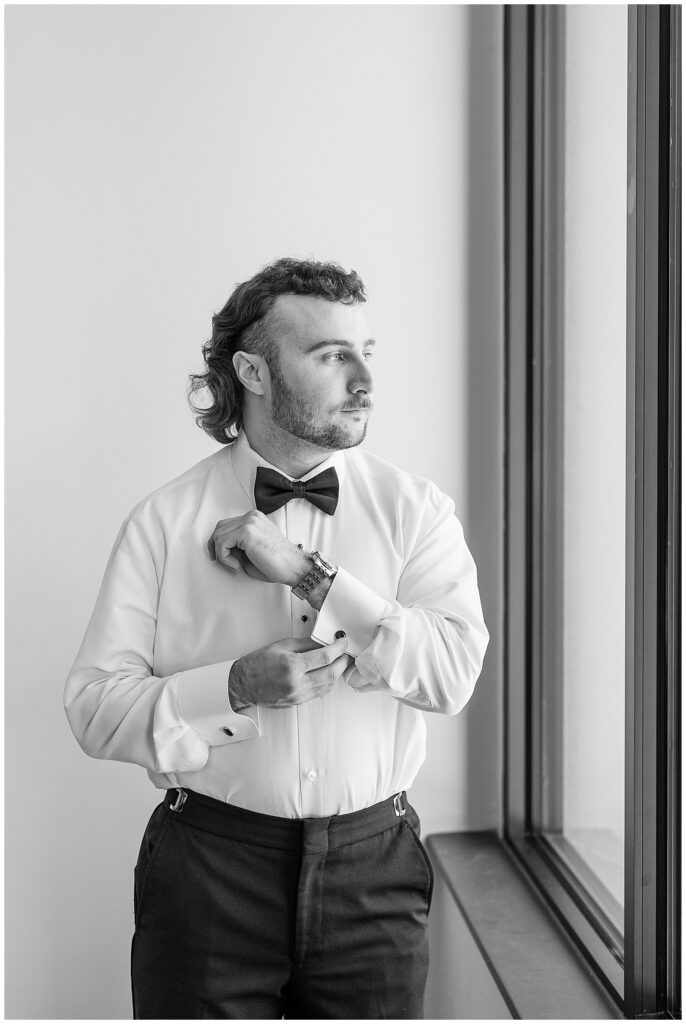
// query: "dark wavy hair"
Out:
[243,326]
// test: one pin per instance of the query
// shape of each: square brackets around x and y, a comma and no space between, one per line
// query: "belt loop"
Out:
[180,801]
[398,805]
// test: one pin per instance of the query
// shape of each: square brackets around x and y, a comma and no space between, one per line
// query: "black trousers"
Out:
[247,916]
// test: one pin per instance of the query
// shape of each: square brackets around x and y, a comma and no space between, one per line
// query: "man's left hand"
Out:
[252,544]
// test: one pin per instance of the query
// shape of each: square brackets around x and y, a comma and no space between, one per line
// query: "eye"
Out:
[334,356]
[369,353]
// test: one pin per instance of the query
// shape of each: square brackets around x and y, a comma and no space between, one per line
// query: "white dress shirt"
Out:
[150,682]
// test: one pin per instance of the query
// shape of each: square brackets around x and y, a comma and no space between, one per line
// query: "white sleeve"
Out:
[116,707]
[426,648]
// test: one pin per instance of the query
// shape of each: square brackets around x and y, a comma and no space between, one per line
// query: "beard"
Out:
[302,419]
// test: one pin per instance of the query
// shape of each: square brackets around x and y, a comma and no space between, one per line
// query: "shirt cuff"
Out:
[352,608]
[203,702]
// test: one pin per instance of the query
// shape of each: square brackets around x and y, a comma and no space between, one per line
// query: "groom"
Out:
[272,626]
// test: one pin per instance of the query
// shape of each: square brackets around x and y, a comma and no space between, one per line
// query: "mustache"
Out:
[367,404]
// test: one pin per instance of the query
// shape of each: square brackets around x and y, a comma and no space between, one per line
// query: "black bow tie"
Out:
[272,490]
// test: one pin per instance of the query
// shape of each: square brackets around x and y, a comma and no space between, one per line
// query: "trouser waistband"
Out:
[224,819]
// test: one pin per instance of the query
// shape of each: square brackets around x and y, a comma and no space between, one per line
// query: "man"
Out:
[270,629]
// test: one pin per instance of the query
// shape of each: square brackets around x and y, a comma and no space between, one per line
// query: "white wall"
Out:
[155,156]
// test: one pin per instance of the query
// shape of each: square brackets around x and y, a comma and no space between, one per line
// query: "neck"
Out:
[288,453]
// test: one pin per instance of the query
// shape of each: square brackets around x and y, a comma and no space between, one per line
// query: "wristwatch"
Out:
[322,569]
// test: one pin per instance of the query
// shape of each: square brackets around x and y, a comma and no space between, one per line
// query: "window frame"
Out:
[641,968]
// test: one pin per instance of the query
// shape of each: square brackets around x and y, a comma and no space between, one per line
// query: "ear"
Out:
[251,371]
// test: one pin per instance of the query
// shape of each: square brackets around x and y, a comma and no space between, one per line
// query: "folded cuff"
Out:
[203,701]
[352,608]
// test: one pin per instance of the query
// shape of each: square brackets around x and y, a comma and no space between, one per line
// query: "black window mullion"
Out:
[548,397]
[673,513]
[653,652]
[518,41]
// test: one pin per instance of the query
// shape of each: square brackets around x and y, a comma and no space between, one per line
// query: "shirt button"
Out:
[229,732]
[311,774]
[300,546]
[304,618]
[339,634]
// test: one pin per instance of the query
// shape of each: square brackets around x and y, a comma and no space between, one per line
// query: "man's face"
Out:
[321,381]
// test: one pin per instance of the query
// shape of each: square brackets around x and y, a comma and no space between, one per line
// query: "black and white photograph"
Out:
[342,511]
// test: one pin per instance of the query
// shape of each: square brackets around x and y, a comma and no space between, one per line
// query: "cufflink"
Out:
[229,732]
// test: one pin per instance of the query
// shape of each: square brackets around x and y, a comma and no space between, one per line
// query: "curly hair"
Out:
[243,325]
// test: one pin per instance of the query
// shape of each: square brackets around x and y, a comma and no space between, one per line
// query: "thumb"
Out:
[299,644]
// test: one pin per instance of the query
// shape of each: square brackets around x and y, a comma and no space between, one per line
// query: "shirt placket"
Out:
[310,716]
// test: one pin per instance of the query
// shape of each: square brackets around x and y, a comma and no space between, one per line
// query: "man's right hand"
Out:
[286,673]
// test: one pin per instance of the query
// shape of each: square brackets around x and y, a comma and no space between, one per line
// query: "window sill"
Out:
[539,973]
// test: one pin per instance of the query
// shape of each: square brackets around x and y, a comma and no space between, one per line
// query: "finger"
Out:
[229,559]
[303,696]
[327,675]
[227,536]
[231,563]
[325,655]
[232,521]
[316,693]
[300,644]
[225,522]
[211,549]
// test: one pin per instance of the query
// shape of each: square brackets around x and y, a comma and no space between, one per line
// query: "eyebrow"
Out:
[337,341]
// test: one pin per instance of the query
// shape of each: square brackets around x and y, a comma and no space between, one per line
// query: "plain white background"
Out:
[155,157]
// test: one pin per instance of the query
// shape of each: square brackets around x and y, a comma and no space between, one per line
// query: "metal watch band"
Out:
[322,569]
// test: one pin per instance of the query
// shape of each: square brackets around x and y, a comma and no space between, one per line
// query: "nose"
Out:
[361,378]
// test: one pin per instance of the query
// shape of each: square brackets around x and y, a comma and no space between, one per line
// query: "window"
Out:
[589,834]
[592,476]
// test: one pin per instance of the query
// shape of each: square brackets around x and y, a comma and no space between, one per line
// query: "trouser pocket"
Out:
[412,827]
[153,837]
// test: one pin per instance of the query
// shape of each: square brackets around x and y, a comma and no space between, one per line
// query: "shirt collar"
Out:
[245,461]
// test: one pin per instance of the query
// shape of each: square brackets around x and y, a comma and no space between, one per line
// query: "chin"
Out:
[336,438]
[355,435]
